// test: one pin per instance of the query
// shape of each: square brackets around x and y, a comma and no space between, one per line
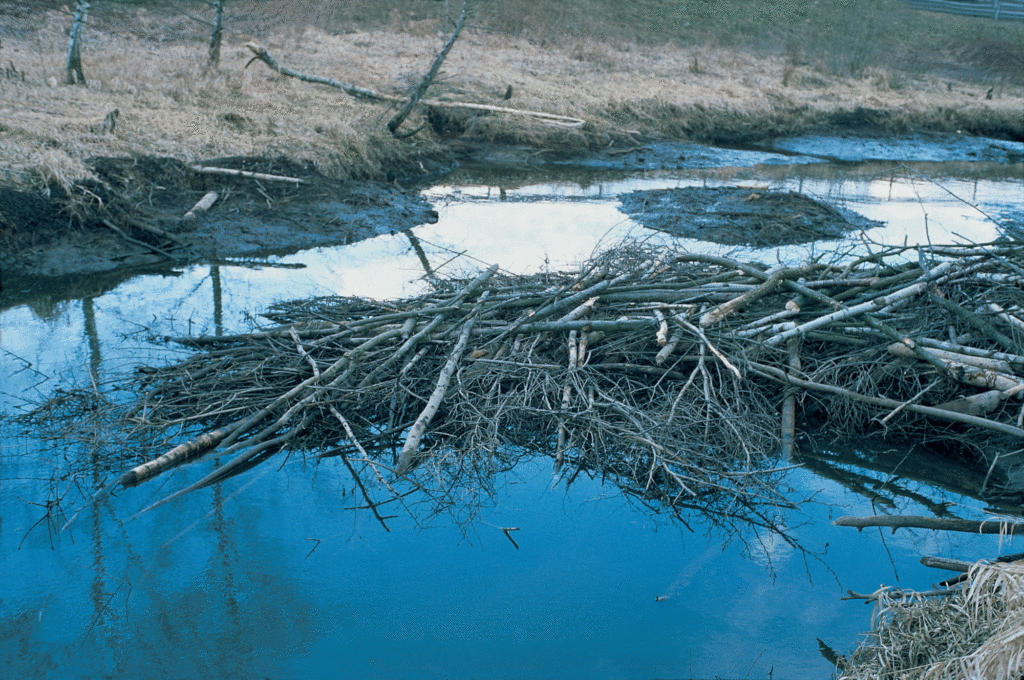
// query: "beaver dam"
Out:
[686,375]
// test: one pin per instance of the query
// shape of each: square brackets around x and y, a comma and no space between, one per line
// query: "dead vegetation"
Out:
[972,630]
[616,67]
[681,375]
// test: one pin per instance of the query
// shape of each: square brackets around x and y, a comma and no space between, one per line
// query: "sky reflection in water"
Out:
[272,575]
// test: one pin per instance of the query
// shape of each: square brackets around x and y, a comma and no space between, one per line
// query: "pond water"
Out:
[274,574]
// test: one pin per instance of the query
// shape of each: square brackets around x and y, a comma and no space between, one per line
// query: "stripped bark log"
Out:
[870,306]
[210,170]
[789,402]
[412,441]
[723,310]
[202,205]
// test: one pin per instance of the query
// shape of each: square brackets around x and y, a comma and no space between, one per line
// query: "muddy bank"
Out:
[134,215]
[741,215]
[852,145]
[131,216]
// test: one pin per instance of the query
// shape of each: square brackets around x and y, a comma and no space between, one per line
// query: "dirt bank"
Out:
[134,215]
[646,105]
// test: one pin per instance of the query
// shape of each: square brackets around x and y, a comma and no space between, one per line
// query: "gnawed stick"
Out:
[178,454]
[233,466]
[209,170]
[983,373]
[977,321]
[782,377]
[400,353]
[566,394]
[467,290]
[856,310]
[963,565]
[991,526]
[662,335]
[901,349]
[955,348]
[582,310]
[947,564]
[665,352]
[723,310]
[766,323]
[226,435]
[412,441]
[789,402]
[202,205]
[721,357]
[352,438]
[896,594]
[976,404]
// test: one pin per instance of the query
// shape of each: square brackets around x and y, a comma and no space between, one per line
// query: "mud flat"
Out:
[741,215]
[137,215]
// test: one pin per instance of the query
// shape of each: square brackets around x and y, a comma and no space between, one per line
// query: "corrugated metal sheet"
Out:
[1001,10]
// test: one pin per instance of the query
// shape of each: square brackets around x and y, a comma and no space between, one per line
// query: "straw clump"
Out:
[976,632]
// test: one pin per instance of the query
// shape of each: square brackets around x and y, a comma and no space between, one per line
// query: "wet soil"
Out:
[134,216]
[741,215]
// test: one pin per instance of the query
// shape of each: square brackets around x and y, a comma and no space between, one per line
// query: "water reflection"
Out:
[274,574]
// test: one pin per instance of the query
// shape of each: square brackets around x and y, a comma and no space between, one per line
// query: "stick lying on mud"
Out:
[209,170]
[202,205]
[367,94]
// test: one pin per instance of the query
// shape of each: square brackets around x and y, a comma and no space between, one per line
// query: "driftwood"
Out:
[209,170]
[202,205]
[372,95]
[993,526]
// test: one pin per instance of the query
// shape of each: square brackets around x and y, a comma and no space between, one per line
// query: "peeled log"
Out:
[975,405]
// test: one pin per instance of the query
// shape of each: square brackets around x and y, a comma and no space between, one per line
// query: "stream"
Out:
[276,574]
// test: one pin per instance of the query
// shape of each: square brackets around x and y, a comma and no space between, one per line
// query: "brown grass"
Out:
[149,63]
[976,632]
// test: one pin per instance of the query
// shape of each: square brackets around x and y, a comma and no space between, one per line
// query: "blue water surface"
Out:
[273,574]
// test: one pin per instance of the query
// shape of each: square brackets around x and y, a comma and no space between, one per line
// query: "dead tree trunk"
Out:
[421,89]
[218,32]
[74,68]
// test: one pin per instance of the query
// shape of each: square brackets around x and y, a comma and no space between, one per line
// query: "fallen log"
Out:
[368,94]
[991,526]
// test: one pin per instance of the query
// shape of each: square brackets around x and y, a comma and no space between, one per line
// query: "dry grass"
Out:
[976,633]
[150,65]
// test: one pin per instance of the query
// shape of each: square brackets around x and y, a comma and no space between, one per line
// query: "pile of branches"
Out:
[679,375]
